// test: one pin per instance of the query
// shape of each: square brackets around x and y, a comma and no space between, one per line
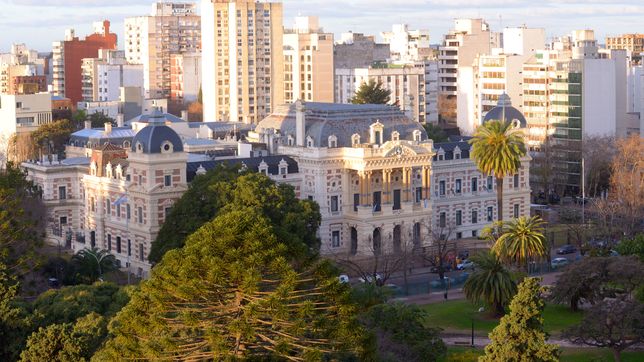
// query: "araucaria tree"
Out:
[522,241]
[371,92]
[234,291]
[491,283]
[520,335]
[497,149]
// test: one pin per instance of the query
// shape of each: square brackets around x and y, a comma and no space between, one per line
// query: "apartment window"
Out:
[63,220]
[441,188]
[335,239]
[18,105]
[109,242]
[443,220]
[516,211]
[141,252]
[62,193]
[475,184]
[129,247]
[419,194]
[334,203]
[458,186]
[459,236]
[167,180]
[118,244]
[475,217]
[475,233]
[92,238]
[108,206]
[490,213]
[490,184]
[118,210]
[459,218]
[128,213]
[516,181]
[140,210]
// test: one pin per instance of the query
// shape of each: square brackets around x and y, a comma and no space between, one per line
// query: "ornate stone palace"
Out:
[381,184]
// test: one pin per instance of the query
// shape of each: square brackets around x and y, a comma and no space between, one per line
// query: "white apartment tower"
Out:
[104,76]
[308,62]
[407,45]
[172,28]
[243,61]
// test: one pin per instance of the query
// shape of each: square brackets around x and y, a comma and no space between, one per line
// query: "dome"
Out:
[505,112]
[156,137]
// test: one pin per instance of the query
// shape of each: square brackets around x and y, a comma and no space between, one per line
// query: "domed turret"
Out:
[505,112]
[156,137]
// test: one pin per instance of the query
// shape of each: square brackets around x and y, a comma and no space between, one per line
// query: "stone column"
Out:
[368,187]
[363,181]
[405,184]
[347,200]
[425,176]
[386,186]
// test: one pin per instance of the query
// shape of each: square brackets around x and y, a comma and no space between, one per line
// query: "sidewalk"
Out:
[480,342]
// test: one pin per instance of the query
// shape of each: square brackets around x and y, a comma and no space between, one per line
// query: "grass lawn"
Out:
[466,354]
[455,316]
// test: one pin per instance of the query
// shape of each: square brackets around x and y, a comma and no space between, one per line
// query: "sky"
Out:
[40,22]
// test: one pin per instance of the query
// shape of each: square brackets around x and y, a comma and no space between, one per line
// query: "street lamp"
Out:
[481,310]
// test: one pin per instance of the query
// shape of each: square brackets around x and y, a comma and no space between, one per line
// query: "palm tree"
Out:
[491,283]
[92,263]
[522,241]
[497,148]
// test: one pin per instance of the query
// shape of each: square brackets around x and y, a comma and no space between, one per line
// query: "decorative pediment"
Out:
[400,151]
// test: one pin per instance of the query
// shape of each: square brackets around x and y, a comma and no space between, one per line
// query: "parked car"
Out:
[567,249]
[558,262]
[465,264]
[370,278]
[396,290]
[343,278]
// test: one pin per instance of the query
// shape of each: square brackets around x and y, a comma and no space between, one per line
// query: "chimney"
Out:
[184,115]
[88,124]
[120,120]
[108,127]
[300,123]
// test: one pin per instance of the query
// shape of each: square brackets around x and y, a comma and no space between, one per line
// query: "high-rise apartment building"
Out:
[243,61]
[172,28]
[460,47]
[104,76]
[634,43]
[22,71]
[308,62]
[185,77]
[68,59]
[405,82]
[407,45]
[495,74]
[356,50]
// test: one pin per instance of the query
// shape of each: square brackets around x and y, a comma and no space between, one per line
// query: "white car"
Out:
[370,278]
[558,262]
[465,264]
[343,279]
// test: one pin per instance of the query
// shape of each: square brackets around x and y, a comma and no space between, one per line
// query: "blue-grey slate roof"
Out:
[505,112]
[252,164]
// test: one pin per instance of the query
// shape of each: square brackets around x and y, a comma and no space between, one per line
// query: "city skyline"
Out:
[370,17]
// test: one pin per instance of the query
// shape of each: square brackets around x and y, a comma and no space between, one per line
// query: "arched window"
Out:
[354,241]
[355,140]
[309,142]
[395,136]
[333,141]
[397,239]
[417,136]
[377,241]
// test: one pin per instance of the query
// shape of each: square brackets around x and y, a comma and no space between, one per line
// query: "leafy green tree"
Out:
[522,241]
[13,327]
[520,335]
[371,92]
[79,117]
[401,333]
[99,119]
[20,231]
[91,264]
[68,304]
[491,283]
[497,148]
[581,282]
[225,189]
[632,246]
[67,342]
[52,137]
[234,291]
[613,323]
[435,133]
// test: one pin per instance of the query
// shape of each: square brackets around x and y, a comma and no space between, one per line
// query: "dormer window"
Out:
[263,168]
[355,140]
[309,142]
[395,136]
[139,147]
[333,141]
[441,154]
[166,147]
[290,140]
[417,136]
[283,168]
[376,131]
[457,153]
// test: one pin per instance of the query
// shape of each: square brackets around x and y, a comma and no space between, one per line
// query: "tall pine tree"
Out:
[520,335]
